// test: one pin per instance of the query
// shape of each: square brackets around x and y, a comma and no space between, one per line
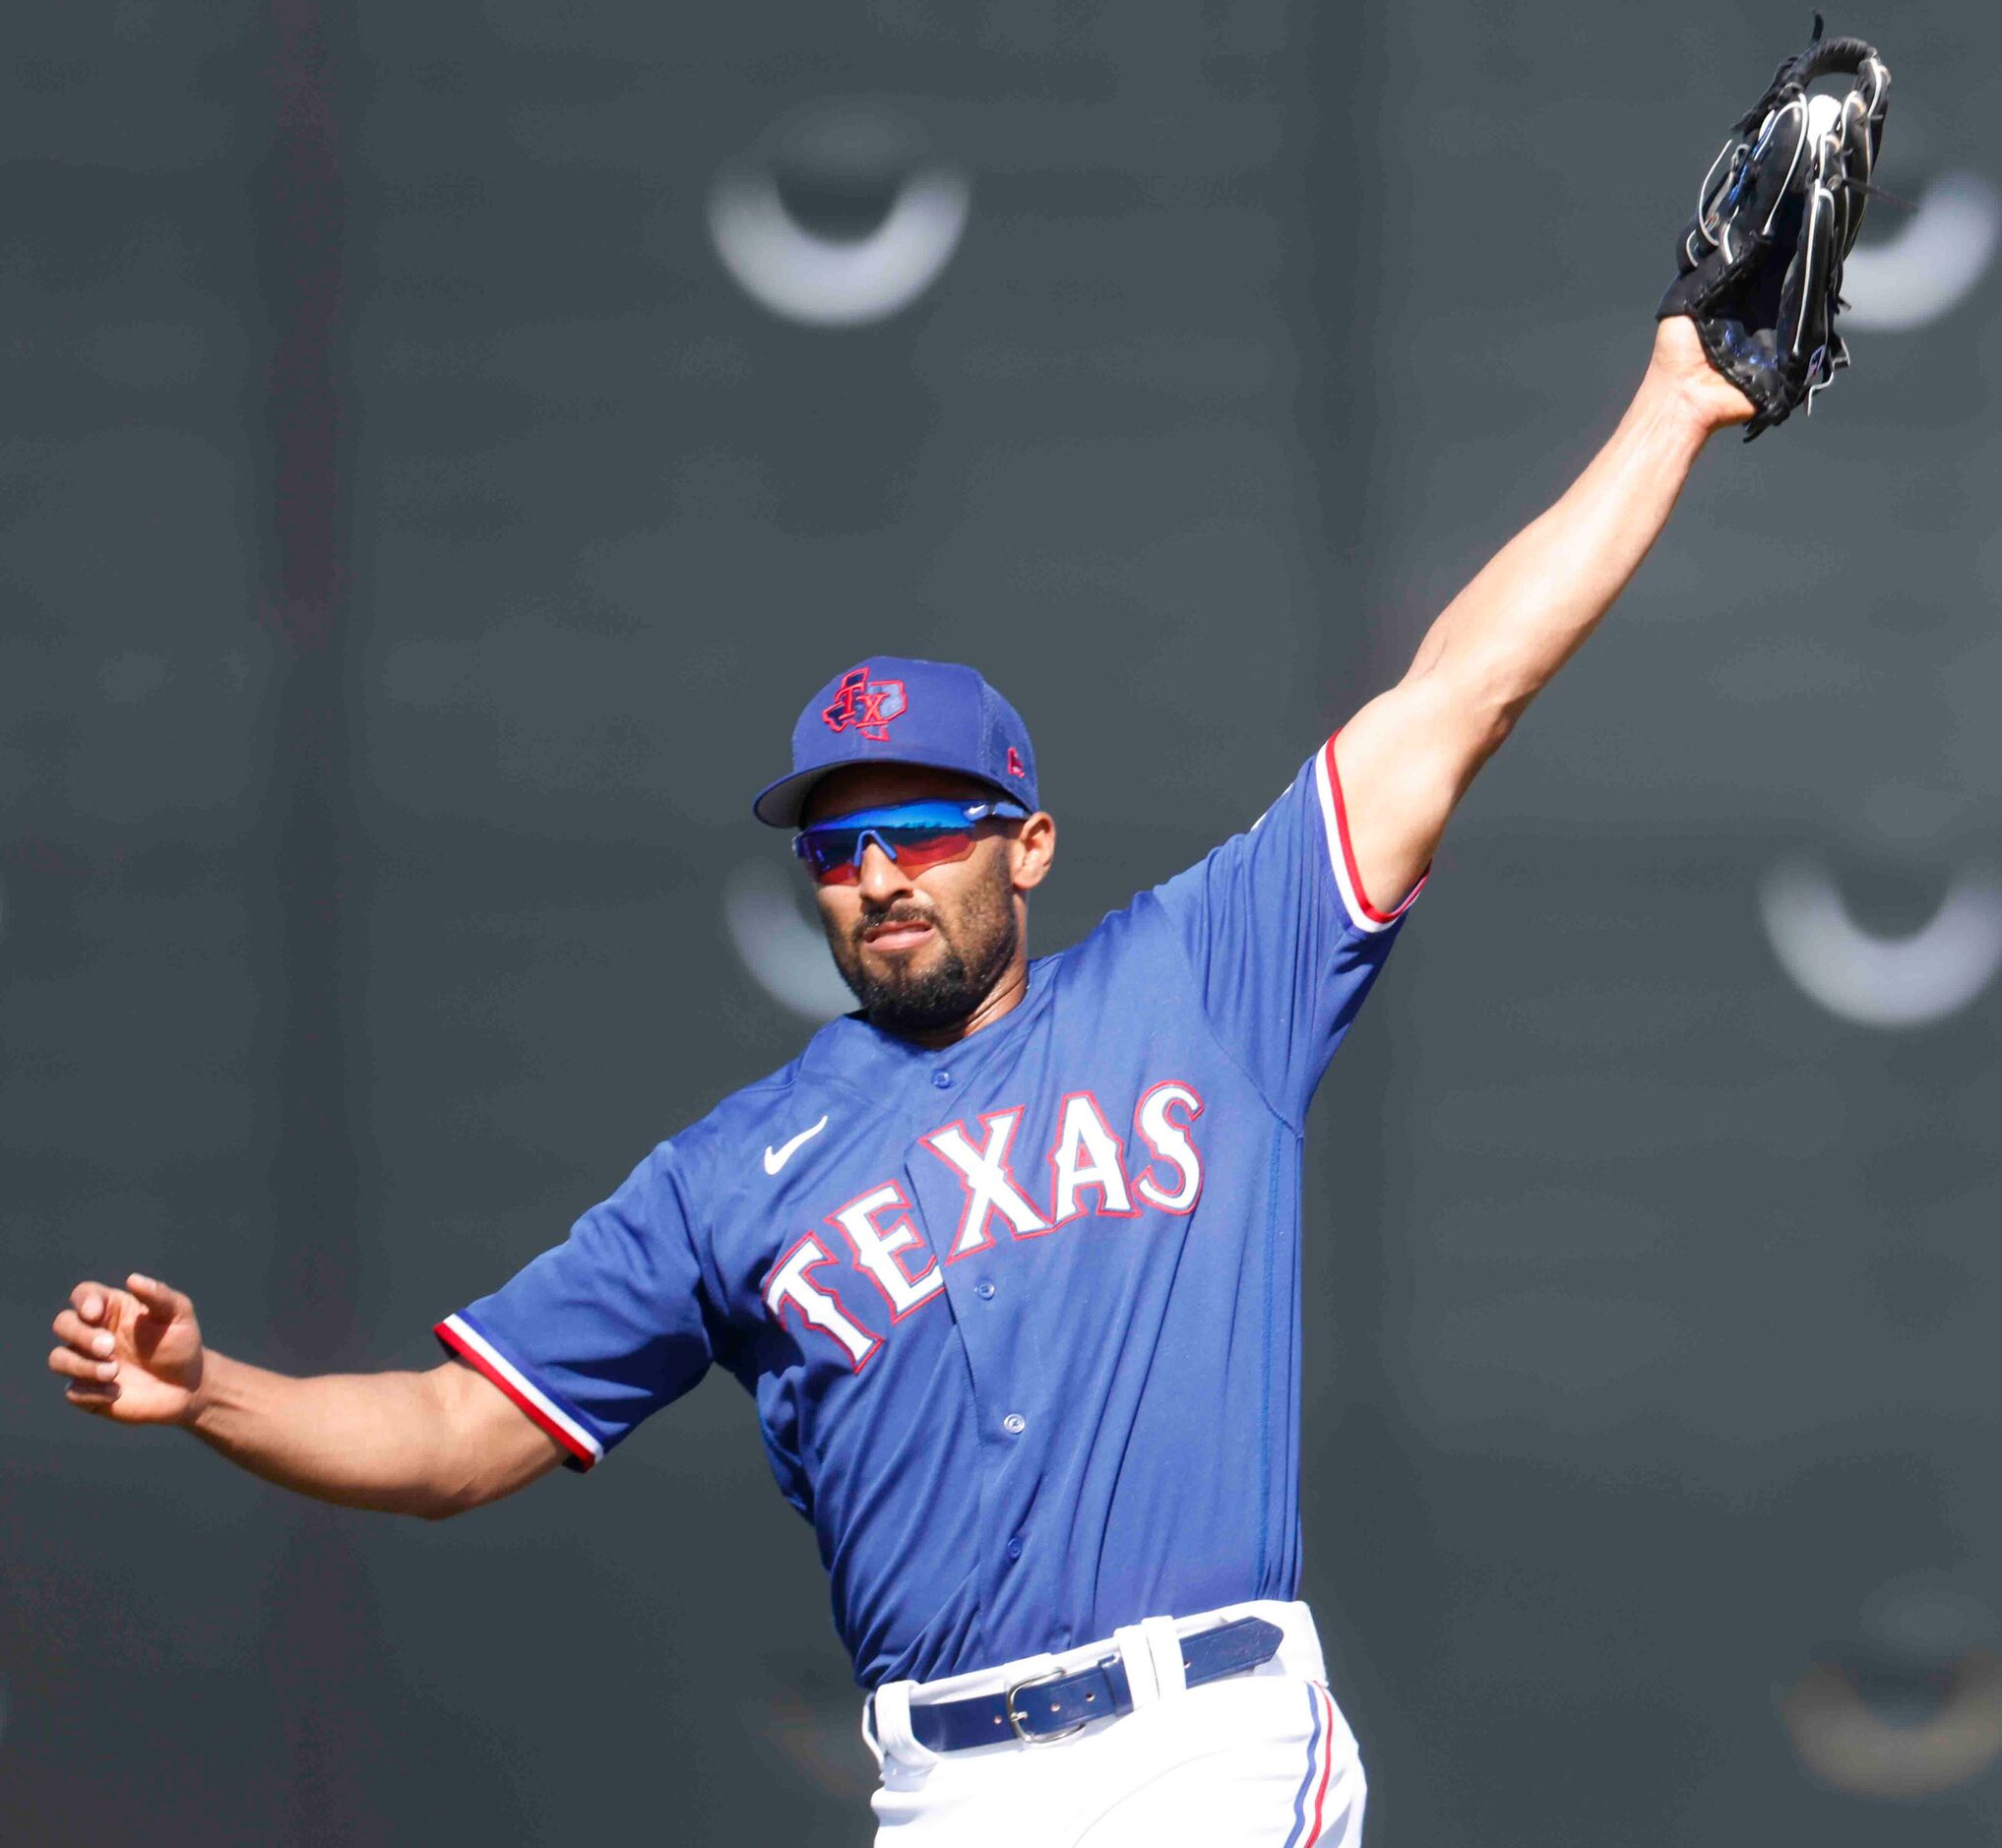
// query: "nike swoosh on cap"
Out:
[776,1158]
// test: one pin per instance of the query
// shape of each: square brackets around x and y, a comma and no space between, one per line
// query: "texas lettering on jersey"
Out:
[1089,1173]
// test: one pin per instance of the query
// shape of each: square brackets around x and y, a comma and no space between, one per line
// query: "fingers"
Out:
[66,1362]
[1810,325]
[159,1300]
[86,1359]
[70,1327]
[1777,166]
[92,1384]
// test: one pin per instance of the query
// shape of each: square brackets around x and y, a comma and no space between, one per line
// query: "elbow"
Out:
[1472,708]
[442,1504]
[1498,723]
[1484,669]
[1491,697]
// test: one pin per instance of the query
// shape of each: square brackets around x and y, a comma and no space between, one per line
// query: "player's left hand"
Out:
[1760,267]
[1680,364]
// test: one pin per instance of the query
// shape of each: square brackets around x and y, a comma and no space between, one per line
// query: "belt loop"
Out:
[1164,1650]
[1143,1685]
[891,1708]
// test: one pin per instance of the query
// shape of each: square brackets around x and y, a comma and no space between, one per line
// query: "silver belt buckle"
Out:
[1015,1717]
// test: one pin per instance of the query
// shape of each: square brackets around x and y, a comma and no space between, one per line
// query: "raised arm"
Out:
[1408,756]
[430,1444]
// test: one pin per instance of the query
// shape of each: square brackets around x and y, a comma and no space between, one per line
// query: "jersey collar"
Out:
[849,1051]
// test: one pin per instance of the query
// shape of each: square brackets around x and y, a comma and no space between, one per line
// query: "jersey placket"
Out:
[993,1311]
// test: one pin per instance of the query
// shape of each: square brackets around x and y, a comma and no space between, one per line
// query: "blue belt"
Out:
[1052,1706]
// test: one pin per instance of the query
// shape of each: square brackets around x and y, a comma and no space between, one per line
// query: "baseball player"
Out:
[1009,1257]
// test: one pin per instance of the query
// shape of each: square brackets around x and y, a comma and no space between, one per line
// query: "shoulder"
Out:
[745,1113]
[1132,947]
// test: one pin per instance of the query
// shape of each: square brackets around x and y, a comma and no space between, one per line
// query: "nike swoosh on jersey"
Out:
[776,1158]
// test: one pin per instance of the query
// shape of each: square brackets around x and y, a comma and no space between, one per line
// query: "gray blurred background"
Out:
[440,450]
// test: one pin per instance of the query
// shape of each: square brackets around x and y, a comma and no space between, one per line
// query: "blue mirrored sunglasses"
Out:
[914,834]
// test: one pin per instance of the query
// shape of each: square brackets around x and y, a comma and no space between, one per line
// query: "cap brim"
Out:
[781,804]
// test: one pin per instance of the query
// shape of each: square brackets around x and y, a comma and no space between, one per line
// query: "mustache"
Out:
[902,911]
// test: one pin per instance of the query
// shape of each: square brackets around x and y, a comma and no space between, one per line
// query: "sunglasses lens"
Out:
[826,870]
[920,850]
[832,857]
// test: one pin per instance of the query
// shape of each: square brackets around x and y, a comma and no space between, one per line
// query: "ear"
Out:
[1031,851]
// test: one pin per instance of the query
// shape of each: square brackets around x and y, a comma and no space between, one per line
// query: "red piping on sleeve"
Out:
[474,1358]
[1349,852]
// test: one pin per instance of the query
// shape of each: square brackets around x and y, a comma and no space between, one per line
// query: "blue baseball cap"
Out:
[893,711]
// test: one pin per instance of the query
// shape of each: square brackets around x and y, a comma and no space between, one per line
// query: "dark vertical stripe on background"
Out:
[301,237]
[321,1647]
[305,242]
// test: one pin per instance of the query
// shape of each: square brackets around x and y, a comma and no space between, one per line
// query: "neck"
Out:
[1002,998]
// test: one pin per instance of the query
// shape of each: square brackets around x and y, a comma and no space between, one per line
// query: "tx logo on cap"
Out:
[867,705]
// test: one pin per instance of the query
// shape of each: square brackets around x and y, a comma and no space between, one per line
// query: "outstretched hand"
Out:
[134,1355]
[1680,363]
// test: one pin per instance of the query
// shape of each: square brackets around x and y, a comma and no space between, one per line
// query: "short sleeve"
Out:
[604,1329]
[1283,942]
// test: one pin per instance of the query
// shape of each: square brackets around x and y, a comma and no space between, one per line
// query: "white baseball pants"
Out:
[1262,1760]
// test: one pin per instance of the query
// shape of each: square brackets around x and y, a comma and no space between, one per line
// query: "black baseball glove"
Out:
[1761,263]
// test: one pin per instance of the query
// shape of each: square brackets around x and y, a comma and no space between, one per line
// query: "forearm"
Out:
[1530,610]
[373,1441]
[1407,757]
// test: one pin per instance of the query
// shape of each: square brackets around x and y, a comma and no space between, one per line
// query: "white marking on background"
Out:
[1927,268]
[1883,982]
[786,956]
[837,283]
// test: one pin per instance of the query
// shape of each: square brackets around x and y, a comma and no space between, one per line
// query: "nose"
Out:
[880,879]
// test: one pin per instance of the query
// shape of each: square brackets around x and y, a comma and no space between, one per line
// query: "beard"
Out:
[968,955]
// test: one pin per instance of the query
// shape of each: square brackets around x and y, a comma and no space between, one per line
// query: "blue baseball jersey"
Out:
[1022,1316]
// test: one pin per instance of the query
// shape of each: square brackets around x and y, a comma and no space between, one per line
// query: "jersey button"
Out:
[1014,1424]
[942,1078]
[1013,1548]
[984,1290]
